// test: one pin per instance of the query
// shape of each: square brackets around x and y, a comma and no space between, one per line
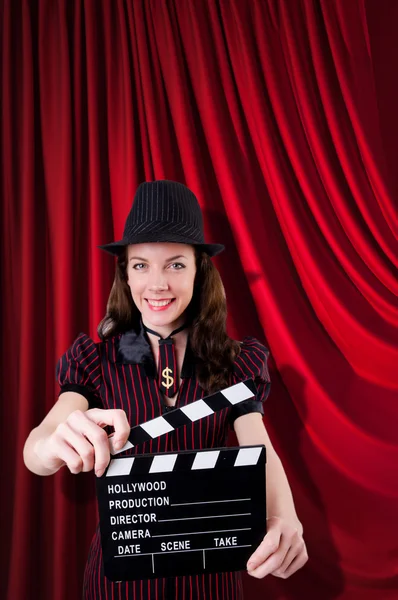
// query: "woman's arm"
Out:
[250,430]
[65,405]
[282,551]
[72,435]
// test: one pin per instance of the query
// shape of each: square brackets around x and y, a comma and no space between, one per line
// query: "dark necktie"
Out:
[167,366]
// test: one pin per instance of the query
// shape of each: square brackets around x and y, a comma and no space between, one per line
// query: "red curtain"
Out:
[282,117]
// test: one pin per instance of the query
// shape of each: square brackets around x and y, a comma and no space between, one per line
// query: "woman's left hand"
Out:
[281,553]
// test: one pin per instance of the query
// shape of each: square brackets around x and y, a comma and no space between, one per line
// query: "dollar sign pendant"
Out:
[167,381]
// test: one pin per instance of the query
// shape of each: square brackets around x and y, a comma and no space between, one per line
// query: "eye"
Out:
[177,266]
[139,266]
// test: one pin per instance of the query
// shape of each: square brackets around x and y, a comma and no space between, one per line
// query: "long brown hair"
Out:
[214,350]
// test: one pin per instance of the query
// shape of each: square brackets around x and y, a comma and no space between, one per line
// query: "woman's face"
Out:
[161,280]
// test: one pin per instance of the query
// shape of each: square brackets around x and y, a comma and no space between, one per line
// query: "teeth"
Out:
[159,302]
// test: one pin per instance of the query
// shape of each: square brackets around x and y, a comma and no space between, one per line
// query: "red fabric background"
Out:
[282,117]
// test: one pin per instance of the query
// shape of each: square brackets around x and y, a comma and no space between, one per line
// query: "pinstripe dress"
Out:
[121,373]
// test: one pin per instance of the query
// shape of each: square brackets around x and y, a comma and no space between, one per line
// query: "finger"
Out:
[296,564]
[291,554]
[96,435]
[68,455]
[274,561]
[268,546]
[79,444]
[114,417]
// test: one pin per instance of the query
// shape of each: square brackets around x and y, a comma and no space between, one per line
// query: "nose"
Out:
[158,281]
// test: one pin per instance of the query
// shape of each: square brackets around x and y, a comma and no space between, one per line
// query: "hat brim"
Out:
[116,248]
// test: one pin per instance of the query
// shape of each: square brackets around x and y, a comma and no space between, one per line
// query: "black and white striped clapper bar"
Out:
[187,414]
[181,513]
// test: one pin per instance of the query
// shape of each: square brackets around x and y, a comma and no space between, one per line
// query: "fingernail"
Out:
[251,566]
[99,472]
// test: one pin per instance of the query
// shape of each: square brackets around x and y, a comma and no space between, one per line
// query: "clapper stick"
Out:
[187,414]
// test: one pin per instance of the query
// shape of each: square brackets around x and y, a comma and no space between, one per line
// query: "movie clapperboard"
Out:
[187,512]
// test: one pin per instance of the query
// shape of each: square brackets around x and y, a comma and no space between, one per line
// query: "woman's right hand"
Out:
[81,443]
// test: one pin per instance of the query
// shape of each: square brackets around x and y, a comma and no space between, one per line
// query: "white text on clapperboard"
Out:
[146,517]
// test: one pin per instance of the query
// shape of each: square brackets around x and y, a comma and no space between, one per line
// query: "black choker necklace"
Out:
[167,367]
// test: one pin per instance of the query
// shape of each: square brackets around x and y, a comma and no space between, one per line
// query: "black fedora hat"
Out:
[164,211]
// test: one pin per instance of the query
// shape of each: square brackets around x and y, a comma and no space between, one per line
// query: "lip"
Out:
[159,308]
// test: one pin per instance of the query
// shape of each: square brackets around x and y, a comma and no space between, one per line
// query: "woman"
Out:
[163,345]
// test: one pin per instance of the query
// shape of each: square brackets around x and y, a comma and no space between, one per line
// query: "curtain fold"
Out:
[281,117]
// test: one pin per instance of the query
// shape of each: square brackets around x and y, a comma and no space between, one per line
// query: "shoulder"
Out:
[107,348]
[84,349]
[252,360]
[82,344]
[251,345]
[78,369]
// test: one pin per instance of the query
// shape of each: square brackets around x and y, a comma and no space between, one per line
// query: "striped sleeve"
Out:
[79,370]
[252,363]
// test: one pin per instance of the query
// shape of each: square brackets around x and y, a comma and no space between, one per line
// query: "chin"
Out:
[161,320]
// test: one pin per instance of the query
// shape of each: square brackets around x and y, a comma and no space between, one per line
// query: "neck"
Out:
[166,330]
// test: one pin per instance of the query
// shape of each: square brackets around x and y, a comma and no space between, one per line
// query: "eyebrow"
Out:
[167,259]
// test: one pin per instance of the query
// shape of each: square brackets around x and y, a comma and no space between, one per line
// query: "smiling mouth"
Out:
[160,302]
